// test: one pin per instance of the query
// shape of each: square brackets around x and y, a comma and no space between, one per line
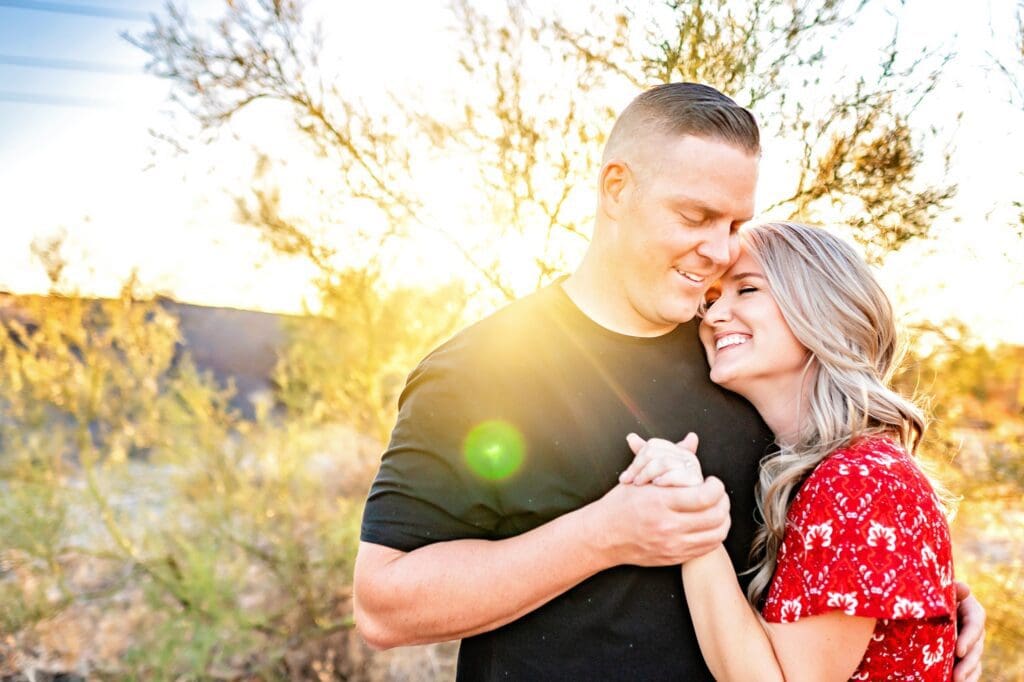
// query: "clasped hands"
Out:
[663,462]
[663,511]
[666,464]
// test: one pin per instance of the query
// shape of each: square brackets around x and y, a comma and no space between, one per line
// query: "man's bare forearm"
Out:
[452,590]
[456,589]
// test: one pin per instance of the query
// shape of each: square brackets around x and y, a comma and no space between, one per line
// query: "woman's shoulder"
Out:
[870,479]
[867,529]
[878,461]
[873,451]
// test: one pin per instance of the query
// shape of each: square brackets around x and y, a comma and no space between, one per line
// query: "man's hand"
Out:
[682,517]
[970,638]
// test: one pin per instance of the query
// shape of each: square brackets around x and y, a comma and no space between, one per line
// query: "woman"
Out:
[853,578]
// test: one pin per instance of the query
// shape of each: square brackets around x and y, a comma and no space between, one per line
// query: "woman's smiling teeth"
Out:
[731,340]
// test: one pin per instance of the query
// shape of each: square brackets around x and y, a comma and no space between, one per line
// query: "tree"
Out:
[537,143]
[534,144]
[858,155]
[263,51]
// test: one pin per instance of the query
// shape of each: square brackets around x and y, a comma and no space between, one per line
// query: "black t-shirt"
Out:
[522,418]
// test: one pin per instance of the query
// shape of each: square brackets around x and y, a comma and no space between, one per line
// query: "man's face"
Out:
[675,232]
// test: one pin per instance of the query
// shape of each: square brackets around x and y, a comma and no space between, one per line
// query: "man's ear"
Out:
[615,185]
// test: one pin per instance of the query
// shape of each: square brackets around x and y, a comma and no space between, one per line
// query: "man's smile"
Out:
[694,279]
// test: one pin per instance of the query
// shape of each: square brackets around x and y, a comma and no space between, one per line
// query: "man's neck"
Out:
[595,290]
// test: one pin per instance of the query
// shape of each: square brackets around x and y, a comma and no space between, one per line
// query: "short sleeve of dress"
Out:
[424,491]
[866,536]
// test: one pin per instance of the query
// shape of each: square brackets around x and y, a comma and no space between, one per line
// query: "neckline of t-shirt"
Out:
[564,301]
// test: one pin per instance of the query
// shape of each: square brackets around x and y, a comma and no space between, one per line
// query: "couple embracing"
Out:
[698,394]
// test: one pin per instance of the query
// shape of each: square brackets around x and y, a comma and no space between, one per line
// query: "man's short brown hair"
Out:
[676,109]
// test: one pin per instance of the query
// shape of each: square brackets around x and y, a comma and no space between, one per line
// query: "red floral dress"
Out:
[866,535]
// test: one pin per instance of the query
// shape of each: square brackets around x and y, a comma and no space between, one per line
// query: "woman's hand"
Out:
[663,462]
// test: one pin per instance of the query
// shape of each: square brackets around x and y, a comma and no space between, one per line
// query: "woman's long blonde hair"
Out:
[837,310]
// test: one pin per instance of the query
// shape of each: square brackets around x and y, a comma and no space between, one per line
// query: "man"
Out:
[495,517]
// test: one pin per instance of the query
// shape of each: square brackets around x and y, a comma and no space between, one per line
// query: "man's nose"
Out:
[717,246]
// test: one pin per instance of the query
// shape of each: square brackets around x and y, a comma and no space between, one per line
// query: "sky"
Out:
[76,108]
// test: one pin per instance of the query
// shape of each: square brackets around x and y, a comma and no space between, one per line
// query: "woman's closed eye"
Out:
[710,301]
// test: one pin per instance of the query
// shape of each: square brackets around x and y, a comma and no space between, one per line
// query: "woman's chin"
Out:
[720,376]
[726,379]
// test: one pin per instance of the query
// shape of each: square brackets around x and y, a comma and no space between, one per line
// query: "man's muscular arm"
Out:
[450,590]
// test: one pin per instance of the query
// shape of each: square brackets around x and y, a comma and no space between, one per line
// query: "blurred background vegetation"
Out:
[158,523]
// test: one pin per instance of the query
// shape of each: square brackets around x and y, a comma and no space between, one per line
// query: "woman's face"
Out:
[749,345]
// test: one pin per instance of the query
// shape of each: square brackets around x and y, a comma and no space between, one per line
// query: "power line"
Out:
[56,100]
[82,10]
[68,65]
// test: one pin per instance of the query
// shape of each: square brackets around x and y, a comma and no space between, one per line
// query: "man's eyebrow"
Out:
[743,275]
[699,205]
[695,204]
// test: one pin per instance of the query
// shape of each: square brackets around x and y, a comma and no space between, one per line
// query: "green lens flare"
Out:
[494,450]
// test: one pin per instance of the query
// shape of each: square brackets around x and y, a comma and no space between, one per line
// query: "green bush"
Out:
[128,466]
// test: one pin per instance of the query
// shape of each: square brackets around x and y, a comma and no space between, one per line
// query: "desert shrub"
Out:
[132,493]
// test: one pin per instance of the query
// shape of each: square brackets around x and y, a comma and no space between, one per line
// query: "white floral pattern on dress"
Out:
[845,601]
[931,657]
[907,609]
[820,534]
[881,460]
[791,610]
[877,532]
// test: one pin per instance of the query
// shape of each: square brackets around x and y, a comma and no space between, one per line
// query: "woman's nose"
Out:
[719,312]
